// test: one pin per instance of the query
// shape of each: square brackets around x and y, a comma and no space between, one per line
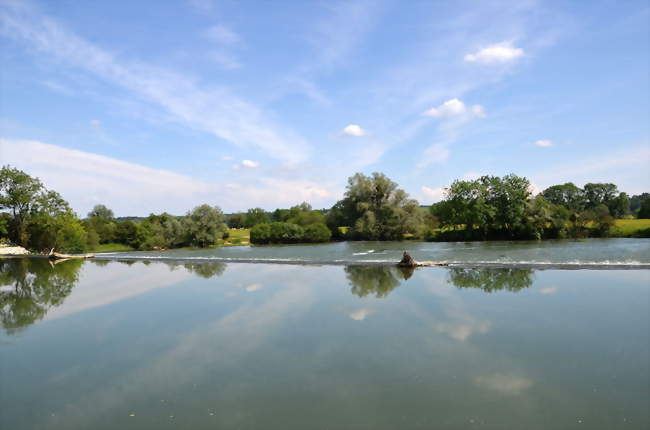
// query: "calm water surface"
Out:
[588,253]
[165,345]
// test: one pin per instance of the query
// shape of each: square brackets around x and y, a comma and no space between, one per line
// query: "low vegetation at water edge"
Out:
[372,208]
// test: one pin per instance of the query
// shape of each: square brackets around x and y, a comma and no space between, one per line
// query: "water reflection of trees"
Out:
[491,279]
[203,269]
[30,287]
[376,280]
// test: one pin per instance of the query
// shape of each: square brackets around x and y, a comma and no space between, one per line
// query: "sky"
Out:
[153,106]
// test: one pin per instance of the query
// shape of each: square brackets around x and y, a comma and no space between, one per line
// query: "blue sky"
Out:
[150,106]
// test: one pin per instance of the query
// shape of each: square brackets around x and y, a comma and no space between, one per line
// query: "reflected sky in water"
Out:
[113,345]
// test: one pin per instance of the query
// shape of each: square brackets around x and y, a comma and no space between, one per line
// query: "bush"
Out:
[281,232]
[225,235]
[284,232]
[260,234]
[317,233]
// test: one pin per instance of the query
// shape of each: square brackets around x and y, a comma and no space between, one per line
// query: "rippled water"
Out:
[589,253]
[191,345]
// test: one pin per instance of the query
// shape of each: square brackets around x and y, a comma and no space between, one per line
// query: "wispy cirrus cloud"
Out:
[222,35]
[215,110]
[85,179]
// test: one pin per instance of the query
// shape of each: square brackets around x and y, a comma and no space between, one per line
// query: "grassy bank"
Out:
[631,228]
[237,237]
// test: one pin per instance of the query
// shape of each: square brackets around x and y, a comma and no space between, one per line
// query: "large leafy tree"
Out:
[102,221]
[19,195]
[644,210]
[101,211]
[255,216]
[38,218]
[205,225]
[568,195]
[488,205]
[377,210]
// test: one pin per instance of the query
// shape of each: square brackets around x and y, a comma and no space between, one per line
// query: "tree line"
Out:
[372,208]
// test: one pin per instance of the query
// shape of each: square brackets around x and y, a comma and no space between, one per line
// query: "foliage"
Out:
[204,225]
[488,207]
[19,194]
[261,234]
[636,201]
[101,211]
[317,233]
[235,220]
[374,280]
[567,195]
[375,209]
[35,286]
[644,209]
[491,280]
[255,216]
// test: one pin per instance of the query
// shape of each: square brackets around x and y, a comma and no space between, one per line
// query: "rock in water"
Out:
[407,261]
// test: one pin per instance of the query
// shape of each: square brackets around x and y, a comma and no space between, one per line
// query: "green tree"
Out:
[486,207]
[377,210]
[619,206]
[19,195]
[204,225]
[235,220]
[599,194]
[126,232]
[255,216]
[568,195]
[53,225]
[260,234]
[35,286]
[374,280]
[491,280]
[101,211]
[317,233]
[635,202]
[644,209]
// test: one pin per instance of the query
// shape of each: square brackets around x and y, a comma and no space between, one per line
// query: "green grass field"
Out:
[628,227]
[238,237]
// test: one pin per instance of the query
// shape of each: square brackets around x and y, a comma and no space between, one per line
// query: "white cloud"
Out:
[471,176]
[227,158]
[250,163]
[354,130]
[225,60]
[222,35]
[361,314]
[437,153]
[254,287]
[455,108]
[463,329]
[548,290]
[85,179]
[434,194]
[543,143]
[504,383]
[213,110]
[95,122]
[503,52]
[202,5]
